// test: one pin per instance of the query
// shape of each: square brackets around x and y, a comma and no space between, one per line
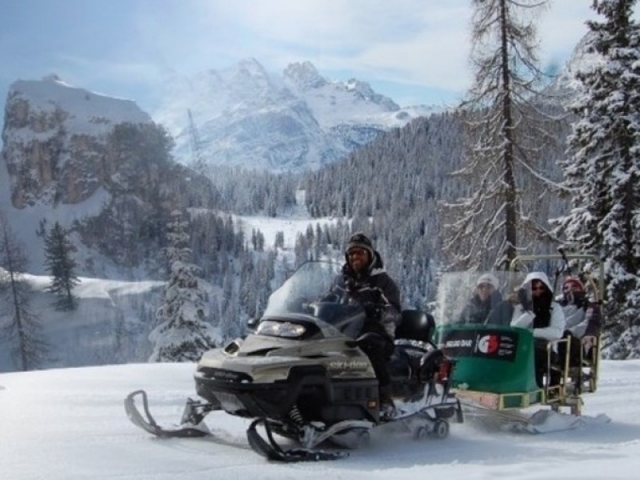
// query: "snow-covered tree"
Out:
[18,324]
[182,334]
[602,169]
[506,134]
[58,251]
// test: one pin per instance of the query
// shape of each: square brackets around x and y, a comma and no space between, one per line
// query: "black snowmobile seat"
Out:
[415,325]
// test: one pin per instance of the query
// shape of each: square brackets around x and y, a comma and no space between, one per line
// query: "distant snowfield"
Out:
[70,424]
[296,222]
[289,226]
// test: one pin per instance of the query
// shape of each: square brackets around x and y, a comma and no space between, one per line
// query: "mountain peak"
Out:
[304,76]
[52,78]
[365,92]
[252,67]
[583,59]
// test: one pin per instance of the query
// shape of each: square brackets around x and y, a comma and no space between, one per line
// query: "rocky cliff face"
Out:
[55,140]
[99,156]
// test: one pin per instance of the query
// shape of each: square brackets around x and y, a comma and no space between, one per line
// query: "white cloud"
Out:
[405,45]
[415,42]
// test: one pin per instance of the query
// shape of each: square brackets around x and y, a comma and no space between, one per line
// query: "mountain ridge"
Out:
[244,116]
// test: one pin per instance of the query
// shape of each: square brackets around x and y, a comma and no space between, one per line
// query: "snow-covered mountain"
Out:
[298,120]
[53,137]
[566,83]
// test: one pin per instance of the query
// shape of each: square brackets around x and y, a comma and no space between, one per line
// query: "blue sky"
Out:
[414,51]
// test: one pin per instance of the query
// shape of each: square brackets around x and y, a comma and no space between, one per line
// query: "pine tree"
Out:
[19,324]
[61,266]
[182,334]
[505,133]
[602,169]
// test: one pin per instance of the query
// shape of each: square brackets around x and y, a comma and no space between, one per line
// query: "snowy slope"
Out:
[70,424]
[110,309]
[88,112]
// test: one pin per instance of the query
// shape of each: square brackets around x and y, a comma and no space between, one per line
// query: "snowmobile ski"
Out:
[191,424]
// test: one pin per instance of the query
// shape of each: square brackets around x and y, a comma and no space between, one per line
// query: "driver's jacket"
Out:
[376,291]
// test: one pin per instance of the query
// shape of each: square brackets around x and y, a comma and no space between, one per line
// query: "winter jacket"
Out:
[582,321]
[552,329]
[376,291]
[477,311]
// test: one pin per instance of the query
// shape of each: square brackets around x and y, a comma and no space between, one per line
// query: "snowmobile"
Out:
[301,375]
[495,377]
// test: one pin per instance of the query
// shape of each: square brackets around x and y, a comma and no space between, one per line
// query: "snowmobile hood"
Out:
[268,359]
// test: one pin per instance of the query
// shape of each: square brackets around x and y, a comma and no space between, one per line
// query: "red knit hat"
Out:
[573,282]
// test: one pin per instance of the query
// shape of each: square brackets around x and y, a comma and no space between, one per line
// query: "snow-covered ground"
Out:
[294,223]
[70,424]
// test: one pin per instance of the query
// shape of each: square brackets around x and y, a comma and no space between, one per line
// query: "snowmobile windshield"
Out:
[306,296]
[477,297]
[311,282]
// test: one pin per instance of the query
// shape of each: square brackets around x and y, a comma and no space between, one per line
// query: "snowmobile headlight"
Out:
[281,329]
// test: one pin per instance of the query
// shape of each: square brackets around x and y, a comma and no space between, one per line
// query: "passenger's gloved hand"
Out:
[524,298]
[579,299]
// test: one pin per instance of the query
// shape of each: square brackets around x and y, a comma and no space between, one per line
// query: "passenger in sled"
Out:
[583,328]
[533,307]
[486,297]
[583,318]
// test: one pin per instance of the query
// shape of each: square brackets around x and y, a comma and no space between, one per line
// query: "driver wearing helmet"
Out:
[365,280]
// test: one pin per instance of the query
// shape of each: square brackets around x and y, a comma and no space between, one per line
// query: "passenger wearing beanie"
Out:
[583,318]
[365,281]
[574,306]
[486,297]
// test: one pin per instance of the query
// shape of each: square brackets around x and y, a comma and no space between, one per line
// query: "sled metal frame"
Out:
[598,287]
[500,401]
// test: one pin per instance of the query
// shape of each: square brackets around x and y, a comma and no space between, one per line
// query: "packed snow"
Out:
[70,424]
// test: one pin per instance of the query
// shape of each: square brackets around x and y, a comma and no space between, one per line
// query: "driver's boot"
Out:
[387,407]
